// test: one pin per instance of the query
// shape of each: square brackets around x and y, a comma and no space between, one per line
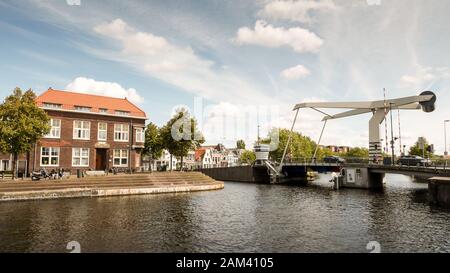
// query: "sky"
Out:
[237,64]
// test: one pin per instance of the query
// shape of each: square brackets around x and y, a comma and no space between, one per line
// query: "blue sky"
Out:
[236,56]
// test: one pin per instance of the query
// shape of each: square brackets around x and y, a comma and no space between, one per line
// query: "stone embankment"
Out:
[112,185]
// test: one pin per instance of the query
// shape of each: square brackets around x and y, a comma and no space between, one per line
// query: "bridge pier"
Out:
[361,178]
[439,191]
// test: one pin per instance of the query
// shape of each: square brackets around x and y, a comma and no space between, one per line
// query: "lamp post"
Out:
[445,136]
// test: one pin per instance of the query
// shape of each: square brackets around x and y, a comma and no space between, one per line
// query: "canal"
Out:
[240,218]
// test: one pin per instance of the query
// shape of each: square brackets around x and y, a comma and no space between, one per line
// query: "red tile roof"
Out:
[68,100]
[199,154]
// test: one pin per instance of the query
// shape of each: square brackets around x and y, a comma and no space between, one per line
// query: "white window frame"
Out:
[50,105]
[140,135]
[120,132]
[80,108]
[122,113]
[55,131]
[82,129]
[8,167]
[80,157]
[50,156]
[103,130]
[123,154]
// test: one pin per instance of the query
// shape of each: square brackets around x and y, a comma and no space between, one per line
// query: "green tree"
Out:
[301,147]
[323,152]
[240,144]
[153,146]
[416,149]
[22,124]
[181,134]
[247,157]
[357,152]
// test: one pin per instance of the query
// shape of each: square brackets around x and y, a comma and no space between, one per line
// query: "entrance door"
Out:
[100,159]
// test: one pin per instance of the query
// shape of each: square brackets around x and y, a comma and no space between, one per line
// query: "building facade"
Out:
[89,132]
[163,162]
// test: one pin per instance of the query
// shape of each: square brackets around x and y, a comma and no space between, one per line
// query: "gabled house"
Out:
[203,158]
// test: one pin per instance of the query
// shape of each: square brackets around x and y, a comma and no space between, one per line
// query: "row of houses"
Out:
[336,149]
[202,158]
[90,132]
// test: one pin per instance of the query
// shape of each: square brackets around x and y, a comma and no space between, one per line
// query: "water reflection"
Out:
[242,217]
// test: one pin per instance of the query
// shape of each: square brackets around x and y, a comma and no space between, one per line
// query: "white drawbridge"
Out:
[380,108]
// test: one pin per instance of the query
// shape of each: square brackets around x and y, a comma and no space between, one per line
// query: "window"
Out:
[140,137]
[121,132]
[80,157]
[82,108]
[49,156]
[102,131]
[55,131]
[4,166]
[52,105]
[103,110]
[122,113]
[120,158]
[81,129]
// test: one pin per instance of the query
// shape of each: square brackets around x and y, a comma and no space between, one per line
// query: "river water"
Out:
[240,218]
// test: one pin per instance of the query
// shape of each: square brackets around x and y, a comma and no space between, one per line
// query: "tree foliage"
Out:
[153,142]
[356,152]
[299,148]
[240,144]
[181,134]
[416,149]
[247,157]
[22,123]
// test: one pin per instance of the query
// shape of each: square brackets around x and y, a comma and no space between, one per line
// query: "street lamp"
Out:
[445,136]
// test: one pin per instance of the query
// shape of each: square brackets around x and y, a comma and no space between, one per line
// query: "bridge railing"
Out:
[325,162]
[428,164]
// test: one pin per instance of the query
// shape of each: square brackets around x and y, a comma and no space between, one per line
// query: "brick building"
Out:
[89,132]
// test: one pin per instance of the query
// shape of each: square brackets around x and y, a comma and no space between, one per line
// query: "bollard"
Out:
[78,173]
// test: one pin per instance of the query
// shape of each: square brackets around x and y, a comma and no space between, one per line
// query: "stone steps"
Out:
[106,187]
[155,180]
[100,183]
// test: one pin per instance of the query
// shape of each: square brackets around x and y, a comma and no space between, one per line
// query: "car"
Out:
[413,160]
[333,159]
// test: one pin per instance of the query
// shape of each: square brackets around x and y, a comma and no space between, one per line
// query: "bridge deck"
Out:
[395,169]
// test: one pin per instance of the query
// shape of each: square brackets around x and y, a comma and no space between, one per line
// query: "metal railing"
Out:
[437,164]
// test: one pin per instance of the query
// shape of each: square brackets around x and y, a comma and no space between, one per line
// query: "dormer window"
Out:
[122,113]
[52,105]
[103,110]
[82,108]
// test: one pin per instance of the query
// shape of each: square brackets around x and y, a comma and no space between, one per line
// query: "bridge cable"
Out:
[385,122]
[322,112]
[289,140]
[400,134]
[318,142]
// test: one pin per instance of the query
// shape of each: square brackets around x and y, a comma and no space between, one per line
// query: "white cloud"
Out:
[297,11]
[111,89]
[177,65]
[299,39]
[424,77]
[296,72]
